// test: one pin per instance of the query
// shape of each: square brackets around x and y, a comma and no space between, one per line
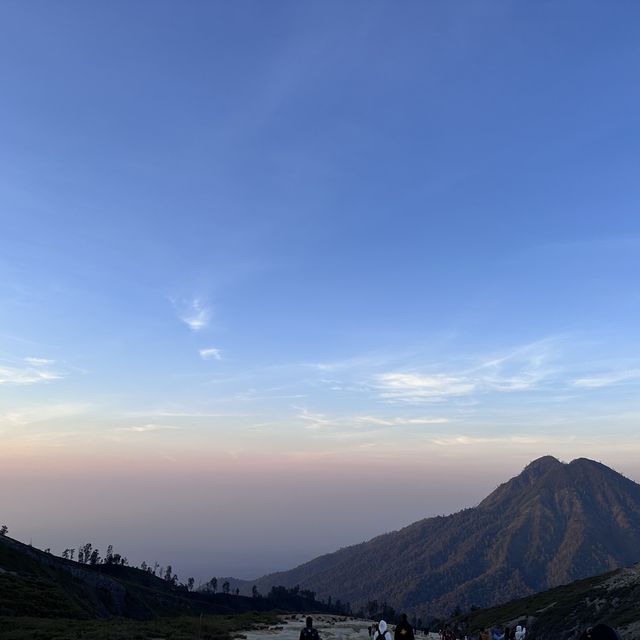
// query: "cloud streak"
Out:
[150,428]
[384,422]
[29,415]
[607,379]
[523,369]
[29,371]
[462,440]
[196,313]
[316,421]
[413,386]
[211,353]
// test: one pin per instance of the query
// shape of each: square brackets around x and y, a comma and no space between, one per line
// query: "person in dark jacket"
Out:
[404,631]
[309,633]
[600,632]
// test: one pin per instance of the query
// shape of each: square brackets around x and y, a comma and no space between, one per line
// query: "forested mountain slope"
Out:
[553,523]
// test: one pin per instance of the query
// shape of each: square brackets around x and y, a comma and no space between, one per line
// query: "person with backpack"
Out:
[382,633]
[309,633]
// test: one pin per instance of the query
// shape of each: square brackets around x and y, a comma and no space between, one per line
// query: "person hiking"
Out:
[382,633]
[484,634]
[600,632]
[309,633]
[448,633]
[404,631]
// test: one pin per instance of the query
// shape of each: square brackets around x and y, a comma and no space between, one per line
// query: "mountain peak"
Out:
[550,524]
[540,467]
[530,475]
[543,464]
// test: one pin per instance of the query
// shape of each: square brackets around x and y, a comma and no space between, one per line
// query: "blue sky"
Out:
[312,233]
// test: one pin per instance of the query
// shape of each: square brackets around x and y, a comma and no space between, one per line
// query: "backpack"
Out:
[309,633]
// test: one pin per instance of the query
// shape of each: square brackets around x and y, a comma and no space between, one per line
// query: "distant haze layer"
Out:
[232,519]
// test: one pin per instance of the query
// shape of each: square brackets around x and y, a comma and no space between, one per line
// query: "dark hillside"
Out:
[38,584]
[564,612]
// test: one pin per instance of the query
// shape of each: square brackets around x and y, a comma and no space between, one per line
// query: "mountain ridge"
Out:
[553,523]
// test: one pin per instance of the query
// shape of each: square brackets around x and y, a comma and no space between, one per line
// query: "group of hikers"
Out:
[404,631]
[507,633]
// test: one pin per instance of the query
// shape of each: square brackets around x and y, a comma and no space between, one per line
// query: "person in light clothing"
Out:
[382,633]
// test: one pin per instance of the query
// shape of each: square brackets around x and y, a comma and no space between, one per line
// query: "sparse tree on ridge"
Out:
[226,587]
[84,553]
[4,530]
[190,582]
[254,592]
[169,576]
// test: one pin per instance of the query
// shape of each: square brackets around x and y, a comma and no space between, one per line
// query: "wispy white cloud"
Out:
[412,386]
[210,353]
[463,440]
[42,413]
[30,371]
[315,420]
[522,369]
[390,422]
[182,413]
[366,361]
[39,362]
[607,379]
[195,313]
[150,428]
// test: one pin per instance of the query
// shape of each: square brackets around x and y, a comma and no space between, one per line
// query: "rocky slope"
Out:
[564,612]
